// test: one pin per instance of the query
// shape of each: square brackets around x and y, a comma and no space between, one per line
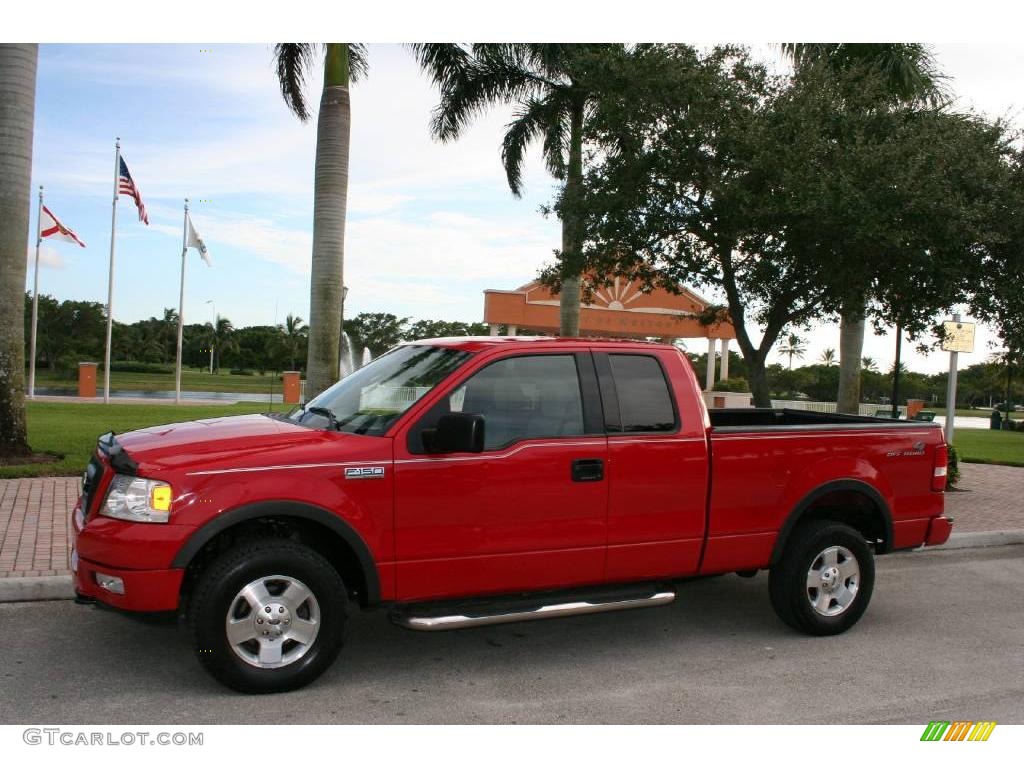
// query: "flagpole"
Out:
[35,301]
[181,304]
[110,276]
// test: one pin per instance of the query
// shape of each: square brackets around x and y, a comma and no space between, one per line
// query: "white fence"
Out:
[866,409]
[744,400]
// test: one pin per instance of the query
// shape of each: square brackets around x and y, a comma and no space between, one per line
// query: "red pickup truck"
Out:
[479,480]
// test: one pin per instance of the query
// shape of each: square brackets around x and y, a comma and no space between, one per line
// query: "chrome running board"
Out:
[469,614]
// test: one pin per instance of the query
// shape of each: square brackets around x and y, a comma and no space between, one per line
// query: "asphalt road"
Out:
[942,639]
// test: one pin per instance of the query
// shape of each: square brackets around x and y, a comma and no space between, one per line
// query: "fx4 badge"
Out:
[363,473]
[918,450]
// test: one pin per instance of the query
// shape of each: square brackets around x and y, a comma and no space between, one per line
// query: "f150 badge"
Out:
[363,473]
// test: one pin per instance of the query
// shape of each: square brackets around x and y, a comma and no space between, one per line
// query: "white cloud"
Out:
[49,257]
[263,237]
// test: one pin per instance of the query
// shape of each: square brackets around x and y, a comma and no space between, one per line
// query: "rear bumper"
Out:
[939,529]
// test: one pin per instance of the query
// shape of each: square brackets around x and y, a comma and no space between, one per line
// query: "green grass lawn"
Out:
[191,381]
[983,446]
[71,429]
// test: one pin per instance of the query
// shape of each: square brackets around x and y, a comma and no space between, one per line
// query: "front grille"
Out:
[90,483]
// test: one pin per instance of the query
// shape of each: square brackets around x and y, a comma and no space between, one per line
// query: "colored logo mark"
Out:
[958,730]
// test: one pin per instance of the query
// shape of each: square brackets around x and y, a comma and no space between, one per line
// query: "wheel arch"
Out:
[848,501]
[340,542]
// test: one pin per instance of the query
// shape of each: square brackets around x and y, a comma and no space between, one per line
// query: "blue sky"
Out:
[430,225]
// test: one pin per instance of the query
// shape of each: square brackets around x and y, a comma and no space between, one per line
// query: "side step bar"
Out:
[464,614]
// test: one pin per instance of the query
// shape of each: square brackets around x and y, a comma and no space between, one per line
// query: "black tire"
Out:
[788,582]
[217,591]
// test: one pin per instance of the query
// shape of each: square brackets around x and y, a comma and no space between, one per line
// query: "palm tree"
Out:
[911,76]
[344,63]
[294,332]
[552,87]
[169,334]
[224,341]
[793,346]
[869,364]
[828,357]
[17,114]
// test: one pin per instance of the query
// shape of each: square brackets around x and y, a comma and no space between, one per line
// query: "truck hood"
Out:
[221,442]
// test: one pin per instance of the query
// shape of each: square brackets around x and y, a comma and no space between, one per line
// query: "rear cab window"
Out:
[643,395]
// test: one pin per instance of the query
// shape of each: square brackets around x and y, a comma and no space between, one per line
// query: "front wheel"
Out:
[823,583]
[268,616]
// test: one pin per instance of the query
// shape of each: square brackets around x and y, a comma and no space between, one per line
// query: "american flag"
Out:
[126,186]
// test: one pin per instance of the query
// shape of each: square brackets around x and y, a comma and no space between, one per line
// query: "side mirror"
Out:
[456,433]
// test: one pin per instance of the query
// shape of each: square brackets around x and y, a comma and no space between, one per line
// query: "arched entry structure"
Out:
[620,310]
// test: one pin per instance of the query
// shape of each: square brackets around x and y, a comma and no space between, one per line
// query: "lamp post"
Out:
[213,308]
[896,373]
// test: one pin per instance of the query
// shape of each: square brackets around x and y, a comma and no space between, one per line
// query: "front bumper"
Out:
[137,547]
[144,591]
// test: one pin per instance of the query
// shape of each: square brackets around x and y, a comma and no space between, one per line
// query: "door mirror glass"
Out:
[456,433]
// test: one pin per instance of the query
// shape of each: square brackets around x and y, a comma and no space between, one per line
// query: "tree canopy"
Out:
[781,192]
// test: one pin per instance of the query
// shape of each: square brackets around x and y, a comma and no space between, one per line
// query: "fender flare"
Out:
[856,486]
[286,509]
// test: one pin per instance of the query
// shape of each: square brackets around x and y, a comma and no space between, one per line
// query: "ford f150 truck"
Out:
[472,481]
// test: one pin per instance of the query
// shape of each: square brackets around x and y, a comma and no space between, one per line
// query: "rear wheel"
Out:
[268,616]
[822,585]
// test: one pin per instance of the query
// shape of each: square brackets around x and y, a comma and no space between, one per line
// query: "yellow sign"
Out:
[959,337]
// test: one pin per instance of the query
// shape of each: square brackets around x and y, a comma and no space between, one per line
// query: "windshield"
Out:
[370,400]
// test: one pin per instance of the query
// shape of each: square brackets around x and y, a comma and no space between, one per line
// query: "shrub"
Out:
[952,468]
[133,366]
[242,372]
[732,385]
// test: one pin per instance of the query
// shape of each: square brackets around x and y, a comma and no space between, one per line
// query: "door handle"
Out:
[587,470]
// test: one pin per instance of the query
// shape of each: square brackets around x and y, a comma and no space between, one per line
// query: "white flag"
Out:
[195,241]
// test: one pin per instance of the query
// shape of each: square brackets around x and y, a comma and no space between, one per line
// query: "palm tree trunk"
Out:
[330,198]
[572,235]
[851,347]
[17,114]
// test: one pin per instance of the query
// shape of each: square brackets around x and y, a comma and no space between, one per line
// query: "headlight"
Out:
[137,500]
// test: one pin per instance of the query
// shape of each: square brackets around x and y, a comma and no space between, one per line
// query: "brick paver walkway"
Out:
[35,525]
[35,515]
[991,499]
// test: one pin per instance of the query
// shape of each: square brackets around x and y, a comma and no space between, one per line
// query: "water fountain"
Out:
[367,356]
[347,363]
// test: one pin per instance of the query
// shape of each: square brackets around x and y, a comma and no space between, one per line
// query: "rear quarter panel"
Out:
[760,477]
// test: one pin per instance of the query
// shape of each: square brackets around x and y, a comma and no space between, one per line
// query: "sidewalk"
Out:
[35,525]
[35,516]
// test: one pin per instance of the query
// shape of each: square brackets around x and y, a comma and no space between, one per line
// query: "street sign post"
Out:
[957,337]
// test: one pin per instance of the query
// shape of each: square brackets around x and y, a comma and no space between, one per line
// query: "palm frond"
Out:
[296,61]
[358,63]
[293,62]
[909,70]
[441,61]
[473,79]
[531,120]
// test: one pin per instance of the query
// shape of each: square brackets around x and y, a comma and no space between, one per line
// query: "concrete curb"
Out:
[974,539]
[24,588]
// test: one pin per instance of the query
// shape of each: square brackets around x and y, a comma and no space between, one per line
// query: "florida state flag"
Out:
[50,226]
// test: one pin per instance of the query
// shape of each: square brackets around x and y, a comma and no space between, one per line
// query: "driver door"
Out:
[527,513]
